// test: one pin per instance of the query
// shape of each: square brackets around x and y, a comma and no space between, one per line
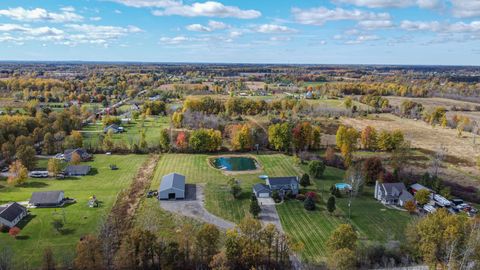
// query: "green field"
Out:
[373,221]
[151,125]
[37,230]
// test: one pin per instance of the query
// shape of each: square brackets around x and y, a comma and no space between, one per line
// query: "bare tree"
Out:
[438,159]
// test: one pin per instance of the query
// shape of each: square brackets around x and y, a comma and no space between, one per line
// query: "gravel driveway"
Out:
[193,206]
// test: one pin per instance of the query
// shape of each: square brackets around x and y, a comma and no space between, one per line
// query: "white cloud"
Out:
[435,26]
[282,38]
[320,15]
[216,25]
[95,19]
[429,4]
[147,3]
[362,39]
[235,34]
[208,9]
[68,9]
[116,11]
[371,25]
[465,8]
[274,28]
[174,40]
[212,26]
[39,14]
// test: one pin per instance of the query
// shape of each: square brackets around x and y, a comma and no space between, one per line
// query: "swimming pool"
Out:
[343,186]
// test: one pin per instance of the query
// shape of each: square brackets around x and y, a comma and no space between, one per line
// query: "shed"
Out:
[77,170]
[47,198]
[172,187]
[11,214]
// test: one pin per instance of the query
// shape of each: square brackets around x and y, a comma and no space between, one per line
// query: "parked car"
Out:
[39,174]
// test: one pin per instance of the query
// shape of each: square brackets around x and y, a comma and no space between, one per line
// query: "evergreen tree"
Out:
[331,204]
[305,180]
[254,207]
[309,204]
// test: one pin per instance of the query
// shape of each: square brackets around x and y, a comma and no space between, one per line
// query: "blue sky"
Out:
[445,32]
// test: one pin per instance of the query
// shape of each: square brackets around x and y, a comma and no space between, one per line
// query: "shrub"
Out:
[300,197]
[309,204]
[276,196]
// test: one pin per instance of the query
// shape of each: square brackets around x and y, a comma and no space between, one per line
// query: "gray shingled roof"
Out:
[173,180]
[45,197]
[259,188]
[77,169]
[274,181]
[11,211]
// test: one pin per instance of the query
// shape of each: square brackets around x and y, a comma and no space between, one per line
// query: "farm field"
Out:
[37,230]
[151,125]
[432,102]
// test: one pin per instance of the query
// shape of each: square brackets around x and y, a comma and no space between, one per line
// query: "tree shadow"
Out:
[24,222]
[22,237]
[67,231]
[93,171]
[33,184]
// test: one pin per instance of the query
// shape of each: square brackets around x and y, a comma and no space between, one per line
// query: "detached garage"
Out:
[172,187]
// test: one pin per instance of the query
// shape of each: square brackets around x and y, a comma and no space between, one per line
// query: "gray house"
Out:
[283,185]
[47,199]
[77,170]
[172,187]
[11,214]
[84,155]
[392,193]
[114,127]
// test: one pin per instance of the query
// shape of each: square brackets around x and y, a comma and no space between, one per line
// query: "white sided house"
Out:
[11,214]
[172,187]
[392,193]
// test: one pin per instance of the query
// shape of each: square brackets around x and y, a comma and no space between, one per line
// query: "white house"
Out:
[392,193]
[11,214]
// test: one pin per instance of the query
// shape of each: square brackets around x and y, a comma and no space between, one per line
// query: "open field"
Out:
[37,230]
[433,102]
[151,125]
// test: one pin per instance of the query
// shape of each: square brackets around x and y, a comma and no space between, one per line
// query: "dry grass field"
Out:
[460,168]
[433,102]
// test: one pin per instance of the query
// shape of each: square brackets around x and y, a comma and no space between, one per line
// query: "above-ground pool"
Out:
[235,163]
[343,186]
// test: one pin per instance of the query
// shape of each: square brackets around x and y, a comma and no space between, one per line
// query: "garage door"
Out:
[263,195]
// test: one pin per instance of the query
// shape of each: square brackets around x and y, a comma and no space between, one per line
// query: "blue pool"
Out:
[235,163]
[343,186]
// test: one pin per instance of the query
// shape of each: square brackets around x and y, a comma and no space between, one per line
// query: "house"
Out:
[282,185]
[77,170]
[84,155]
[114,128]
[172,187]
[11,214]
[47,199]
[392,193]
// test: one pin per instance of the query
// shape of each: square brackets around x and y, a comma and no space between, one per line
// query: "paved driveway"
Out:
[193,206]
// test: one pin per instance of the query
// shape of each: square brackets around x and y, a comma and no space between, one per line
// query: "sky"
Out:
[420,32]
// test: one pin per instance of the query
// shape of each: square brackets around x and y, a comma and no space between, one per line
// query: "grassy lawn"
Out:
[37,230]
[151,125]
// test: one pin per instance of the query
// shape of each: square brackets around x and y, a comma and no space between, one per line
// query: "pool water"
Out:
[235,163]
[342,186]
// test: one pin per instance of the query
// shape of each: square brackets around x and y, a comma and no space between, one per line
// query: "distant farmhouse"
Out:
[47,199]
[84,155]
[172,187]
[114,128]
[392,193]
[11,214]
[283,185]
[77,170]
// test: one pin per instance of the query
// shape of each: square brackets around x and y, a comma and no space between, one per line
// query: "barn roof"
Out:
[173,180]
[45,197]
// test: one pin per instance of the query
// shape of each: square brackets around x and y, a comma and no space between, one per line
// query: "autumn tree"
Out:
[26,154]
[181,141]
[89,254]
[14,231]
[206,243]
[344,236]
[75,159]
[342,259]
[54,166]
[18,173]
[280,137]
[48,145]
[422,196]
[242,137]
[348,102]
[205,140]
[372,170]
[137,250]
[177,119]
[346,139]
[368,138]
[410,206]
[48,259]
[74,140]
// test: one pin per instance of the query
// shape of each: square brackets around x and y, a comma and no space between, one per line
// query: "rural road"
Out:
[193,206]
[268,215]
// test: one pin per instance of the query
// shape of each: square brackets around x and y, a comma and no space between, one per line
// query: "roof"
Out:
[259,188]
[77,169]
[418,187]
[394,189]
[80,151]
[406,196]
[11,211]
[173,180]
[45,197]
[288,180]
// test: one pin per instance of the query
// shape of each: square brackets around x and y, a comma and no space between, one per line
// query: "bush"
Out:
[309,204]
[276,196]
